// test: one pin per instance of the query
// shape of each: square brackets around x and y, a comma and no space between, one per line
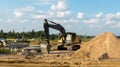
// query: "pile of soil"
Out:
[105,45]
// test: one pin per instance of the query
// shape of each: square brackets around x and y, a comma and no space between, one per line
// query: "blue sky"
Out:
[90,17]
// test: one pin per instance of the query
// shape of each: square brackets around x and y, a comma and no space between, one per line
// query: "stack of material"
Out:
[105,45]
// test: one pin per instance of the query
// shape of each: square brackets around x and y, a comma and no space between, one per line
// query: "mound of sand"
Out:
[105,45]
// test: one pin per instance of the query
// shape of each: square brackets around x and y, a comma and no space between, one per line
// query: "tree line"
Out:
[36,34]
[29,35]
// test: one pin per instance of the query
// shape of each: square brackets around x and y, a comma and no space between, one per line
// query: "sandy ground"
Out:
[55,58]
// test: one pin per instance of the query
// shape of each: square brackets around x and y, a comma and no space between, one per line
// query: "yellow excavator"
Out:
[68,40]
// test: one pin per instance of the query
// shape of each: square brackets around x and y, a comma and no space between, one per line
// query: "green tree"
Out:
[1,33]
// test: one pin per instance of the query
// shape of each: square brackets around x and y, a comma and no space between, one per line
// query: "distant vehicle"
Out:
[31,48]
[3,42]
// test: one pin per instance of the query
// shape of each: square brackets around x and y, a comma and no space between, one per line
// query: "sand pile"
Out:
[105,45]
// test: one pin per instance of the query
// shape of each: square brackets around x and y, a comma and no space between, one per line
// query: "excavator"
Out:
[68,40]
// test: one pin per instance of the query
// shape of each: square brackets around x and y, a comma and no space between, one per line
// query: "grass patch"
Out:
[4,51]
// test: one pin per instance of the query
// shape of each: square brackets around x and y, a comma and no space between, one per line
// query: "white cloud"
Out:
[43,2]
[41,16]
[51,13]
[31,13]
[25,20]
[9,20]
[80,15]
[60,14]
[59,6]
[91,26]
[116,26]
[99,15]
[93,20]
[60,20]
[37,17]
[118,13]
[73,20]
[18,13]
[59,11]
[68,26]
[28,8]
[96,26]
[63,13]
[24,11]
[112,19]
[0,20]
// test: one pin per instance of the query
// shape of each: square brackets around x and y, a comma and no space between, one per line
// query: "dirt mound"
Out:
[105,45]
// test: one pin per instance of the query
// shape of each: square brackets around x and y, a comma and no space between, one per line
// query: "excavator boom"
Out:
[53,26]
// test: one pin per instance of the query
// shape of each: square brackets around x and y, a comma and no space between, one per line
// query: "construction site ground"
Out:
[55,58]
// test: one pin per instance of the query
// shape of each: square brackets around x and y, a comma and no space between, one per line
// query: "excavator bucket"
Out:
[45,48]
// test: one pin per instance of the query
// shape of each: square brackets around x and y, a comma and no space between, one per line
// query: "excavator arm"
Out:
[53,26]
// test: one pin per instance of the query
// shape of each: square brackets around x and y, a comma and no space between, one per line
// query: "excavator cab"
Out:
[70,37]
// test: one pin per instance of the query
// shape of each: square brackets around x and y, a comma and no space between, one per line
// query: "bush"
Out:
[5,51]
